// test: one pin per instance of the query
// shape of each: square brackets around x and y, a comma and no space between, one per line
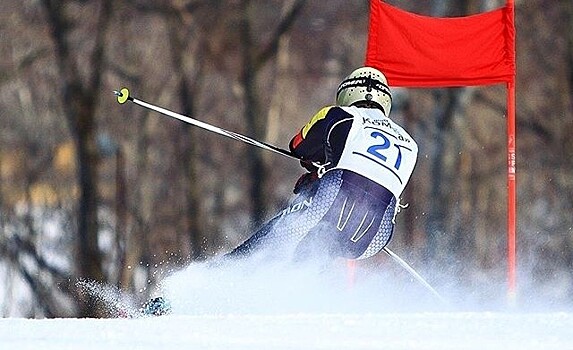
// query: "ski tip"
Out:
[122,95]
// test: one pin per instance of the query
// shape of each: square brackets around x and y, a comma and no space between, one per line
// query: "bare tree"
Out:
[254,58]
[80,88]
[188,68]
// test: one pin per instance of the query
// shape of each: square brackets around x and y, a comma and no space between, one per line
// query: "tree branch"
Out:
[286,23]
[97,57]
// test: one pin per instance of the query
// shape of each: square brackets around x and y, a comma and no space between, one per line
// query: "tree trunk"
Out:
[80,95]
[254,122]
[178,29]
[442,116]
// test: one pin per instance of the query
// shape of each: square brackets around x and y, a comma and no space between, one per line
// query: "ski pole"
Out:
[123,96]
[414,274]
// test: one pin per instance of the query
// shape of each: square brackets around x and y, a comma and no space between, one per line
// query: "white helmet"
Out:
[368,85]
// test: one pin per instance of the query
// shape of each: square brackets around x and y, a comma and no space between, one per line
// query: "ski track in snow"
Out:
[238,307]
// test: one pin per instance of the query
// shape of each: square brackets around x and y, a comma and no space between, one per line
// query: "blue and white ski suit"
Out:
[346,207]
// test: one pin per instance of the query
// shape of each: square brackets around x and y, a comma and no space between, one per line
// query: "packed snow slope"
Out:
[302,307]
[413,331]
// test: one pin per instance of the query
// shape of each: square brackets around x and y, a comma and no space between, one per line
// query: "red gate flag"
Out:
[420,51]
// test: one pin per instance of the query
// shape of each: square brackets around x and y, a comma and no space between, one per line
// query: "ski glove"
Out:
[304,181]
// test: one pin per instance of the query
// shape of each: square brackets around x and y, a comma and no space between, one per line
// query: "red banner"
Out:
[420,51]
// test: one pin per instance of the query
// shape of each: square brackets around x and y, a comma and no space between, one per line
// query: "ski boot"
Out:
[158,306]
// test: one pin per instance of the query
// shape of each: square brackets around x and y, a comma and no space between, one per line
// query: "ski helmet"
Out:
[365,84]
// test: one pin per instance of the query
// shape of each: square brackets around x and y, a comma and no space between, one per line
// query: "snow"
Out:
[466,330]
[275,307]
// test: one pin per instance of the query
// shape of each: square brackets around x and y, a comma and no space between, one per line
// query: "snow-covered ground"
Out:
[296,331]
[300,308]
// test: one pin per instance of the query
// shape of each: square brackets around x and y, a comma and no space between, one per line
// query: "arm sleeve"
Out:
[310,143]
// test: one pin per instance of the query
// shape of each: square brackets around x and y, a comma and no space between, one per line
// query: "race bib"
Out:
[379,149]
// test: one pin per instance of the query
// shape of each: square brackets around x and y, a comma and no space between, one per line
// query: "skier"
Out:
[358,163]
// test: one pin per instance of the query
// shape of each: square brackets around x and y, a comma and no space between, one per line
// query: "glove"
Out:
[307,164]
[304,181]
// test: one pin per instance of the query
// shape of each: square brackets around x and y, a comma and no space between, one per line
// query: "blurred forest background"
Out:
[92,189]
